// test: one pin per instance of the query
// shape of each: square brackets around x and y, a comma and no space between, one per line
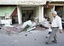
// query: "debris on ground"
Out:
[25,34]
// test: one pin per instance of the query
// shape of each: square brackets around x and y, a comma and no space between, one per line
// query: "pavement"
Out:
[32,38]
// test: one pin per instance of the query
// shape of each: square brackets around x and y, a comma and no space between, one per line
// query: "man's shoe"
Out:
[54,41]
[46,36]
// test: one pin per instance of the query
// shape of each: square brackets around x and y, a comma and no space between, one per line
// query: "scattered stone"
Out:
[35,39]
[25,34]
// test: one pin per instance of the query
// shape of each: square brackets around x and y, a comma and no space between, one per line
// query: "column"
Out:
[41,13]
[19,15]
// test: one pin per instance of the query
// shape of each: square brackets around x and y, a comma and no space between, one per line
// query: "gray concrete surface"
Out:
[33,38]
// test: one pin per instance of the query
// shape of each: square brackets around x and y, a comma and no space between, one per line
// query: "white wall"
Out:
[37,11]
[22,0]
[29,2]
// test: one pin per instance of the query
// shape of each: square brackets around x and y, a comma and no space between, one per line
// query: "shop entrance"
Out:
[60,11]
[27,15]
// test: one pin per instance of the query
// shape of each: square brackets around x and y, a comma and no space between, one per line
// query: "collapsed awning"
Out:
[6,10]
[14,13]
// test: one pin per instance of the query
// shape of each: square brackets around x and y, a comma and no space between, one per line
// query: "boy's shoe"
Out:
[47,43]
[46,36]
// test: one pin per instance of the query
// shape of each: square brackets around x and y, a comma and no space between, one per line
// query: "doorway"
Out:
[27,15]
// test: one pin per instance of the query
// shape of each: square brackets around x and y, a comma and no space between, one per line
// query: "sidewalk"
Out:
[32,38]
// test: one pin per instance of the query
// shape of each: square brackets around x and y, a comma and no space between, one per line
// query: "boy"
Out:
[50,30]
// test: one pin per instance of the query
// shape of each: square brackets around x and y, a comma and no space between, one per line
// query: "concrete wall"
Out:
[29,2]
[37,11]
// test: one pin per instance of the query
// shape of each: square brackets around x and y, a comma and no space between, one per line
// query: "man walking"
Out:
[56,23]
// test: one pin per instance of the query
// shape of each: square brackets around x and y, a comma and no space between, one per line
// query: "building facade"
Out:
[57,5]
[20,11]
